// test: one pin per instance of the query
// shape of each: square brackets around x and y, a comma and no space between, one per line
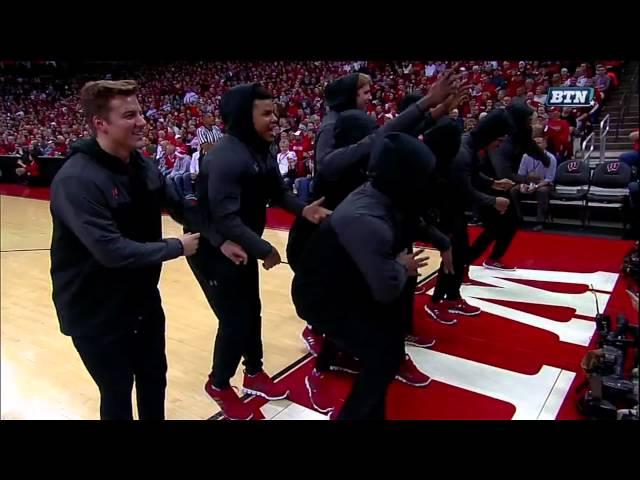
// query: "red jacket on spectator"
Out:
[558,135]
[301,168]
[33,168]
[298,147]
[307,144]
[60,149]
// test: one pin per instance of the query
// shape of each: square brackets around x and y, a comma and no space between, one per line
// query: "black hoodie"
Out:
[240,175]
[350,267]
[444,140]
[465,173]
[350,127]
[107,246]
[341,95]
[505,160]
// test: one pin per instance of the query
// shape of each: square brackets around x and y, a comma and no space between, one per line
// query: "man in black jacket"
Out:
[237,180]
[338,167]
[350,127]
[503,162]
[350,279]
[349,92]
[106,254]
[465,182]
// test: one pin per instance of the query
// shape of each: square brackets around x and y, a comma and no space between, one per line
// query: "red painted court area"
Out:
[482,365]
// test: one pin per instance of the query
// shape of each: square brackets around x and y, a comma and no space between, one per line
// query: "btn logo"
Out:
[570,97]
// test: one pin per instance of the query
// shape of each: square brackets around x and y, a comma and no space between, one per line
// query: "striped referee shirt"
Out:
[208,136]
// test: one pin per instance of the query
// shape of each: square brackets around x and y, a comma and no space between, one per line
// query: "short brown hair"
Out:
[95,97]
[363,80]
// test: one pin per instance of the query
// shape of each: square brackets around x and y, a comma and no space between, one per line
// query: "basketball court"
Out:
[520,359]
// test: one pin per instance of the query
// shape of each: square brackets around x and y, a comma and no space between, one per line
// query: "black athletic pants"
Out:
[454,224]
[116,361]
[375,336]
[497,228]
[233,292]
[404,318]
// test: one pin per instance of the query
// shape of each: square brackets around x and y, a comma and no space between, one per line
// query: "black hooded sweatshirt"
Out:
[350,127]
[107,246]
[341,95]
[350,267]
[504,161]
[240,175]
[465,173]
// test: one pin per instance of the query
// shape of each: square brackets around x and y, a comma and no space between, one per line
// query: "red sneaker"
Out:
[312,340]
[318,391]
[345,363]
[231,405]
[419,341]
[440,312]
[498,265]
[410,374]
[463,308]
[262,385]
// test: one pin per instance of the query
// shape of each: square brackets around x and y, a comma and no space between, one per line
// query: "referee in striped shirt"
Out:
[208,133]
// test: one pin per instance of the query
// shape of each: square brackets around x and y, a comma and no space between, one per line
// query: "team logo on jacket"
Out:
[570,97]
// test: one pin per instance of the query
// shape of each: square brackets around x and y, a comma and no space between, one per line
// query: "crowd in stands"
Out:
[40,116]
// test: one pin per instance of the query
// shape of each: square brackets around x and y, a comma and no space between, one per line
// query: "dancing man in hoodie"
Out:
[341,168]
[237,180]
[349,281]
[463,183]
[500,227]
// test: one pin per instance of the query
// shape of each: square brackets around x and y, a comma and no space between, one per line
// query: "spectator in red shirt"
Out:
[559,136]
[297,146]
[168,160]
[60,149]
[28,170]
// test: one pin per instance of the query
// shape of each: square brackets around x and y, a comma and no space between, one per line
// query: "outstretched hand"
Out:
[315,212]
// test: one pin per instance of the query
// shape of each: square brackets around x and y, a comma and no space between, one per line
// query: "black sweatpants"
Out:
[454,224]
[116,361]
[329,351]
[376,337]
[497,228]
[233,292]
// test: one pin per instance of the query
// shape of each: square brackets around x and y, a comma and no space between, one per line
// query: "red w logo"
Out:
[572,167]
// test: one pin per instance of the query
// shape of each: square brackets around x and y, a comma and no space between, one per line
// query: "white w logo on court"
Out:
[575,331]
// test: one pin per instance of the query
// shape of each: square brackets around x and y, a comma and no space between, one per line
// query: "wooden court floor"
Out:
[42,375]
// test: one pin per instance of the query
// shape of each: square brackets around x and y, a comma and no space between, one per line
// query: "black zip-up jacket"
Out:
[467,178]
[465,173]
[240,176]
[107,246]
[341,95]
